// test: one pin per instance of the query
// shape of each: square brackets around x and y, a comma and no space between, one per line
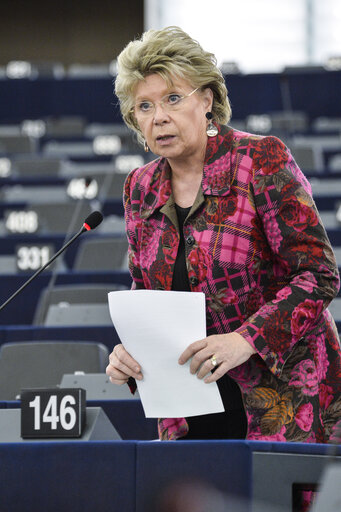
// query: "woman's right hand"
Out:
[122,366]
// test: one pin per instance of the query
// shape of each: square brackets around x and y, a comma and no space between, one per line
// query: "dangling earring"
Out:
[146,147]
[211,129]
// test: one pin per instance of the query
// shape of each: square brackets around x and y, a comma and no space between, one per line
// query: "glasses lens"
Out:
[169,102]
[145,107]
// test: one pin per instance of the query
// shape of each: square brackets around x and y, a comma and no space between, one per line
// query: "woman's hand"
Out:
[122,366]
[230,350]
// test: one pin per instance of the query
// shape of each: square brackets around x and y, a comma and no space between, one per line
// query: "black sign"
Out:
[32,257]
[52,412]
[21,221]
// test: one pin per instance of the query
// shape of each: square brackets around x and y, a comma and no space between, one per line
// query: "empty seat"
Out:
[102,254]
[110,185]
[8,264]
[329,220]
[337,252]
[98,387]
[322,140]
[325,187]
[81,304]
[43,364]
[57,217]
[327,124]
[112,225]
[89,71]
[33,194]
[66,314]
[335,163]
[65,126]
[36,166]
[94,129]
[287,121]
[13,144]
[335,309]
[63,149]
[309,157]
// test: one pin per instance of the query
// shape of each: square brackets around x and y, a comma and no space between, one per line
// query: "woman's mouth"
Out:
[163,140]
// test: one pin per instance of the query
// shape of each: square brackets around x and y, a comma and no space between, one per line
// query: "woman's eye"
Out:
[145,106]
[174,98]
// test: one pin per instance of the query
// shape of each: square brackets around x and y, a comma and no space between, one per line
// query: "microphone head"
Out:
[93,220]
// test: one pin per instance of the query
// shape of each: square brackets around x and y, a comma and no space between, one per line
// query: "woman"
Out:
[231,215]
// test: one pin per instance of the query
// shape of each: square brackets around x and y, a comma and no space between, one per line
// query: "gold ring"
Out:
[214,361]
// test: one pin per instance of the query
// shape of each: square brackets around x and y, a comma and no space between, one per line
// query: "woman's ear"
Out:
[208,99]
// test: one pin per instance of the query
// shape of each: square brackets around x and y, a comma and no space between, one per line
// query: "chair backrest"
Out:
[14,144]
[8,264]
[42,364]
[77,314]
[98,387]
[79,294]
[337,252]
[335,309]
[36,166]
[309,157]
[115,186]
[102,254]
[56,217]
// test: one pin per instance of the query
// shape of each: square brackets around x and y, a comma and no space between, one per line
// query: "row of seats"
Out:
[44,364]
[315,152]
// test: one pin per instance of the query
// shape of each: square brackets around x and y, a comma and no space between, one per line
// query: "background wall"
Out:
[67,31]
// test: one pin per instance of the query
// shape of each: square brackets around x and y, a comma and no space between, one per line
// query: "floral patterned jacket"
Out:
[256,247]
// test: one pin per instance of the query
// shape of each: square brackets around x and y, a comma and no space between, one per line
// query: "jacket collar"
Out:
[215,180]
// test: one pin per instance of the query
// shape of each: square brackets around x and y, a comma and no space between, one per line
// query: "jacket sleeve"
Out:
[299,253]
[132,228]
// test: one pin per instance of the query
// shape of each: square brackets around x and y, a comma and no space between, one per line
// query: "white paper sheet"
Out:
[155,327]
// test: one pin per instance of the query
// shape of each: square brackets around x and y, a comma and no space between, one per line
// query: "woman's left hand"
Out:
[230,350]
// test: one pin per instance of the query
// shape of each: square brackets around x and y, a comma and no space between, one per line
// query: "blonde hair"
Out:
[169,52]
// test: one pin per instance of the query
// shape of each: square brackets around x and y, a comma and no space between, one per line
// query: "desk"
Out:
[127,416]
[127,476]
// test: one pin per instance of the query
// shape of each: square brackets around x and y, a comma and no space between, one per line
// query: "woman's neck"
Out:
[185,184]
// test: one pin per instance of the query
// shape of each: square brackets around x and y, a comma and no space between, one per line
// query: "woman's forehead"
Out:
[156,84]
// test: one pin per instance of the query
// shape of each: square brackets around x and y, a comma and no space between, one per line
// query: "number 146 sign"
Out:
[52,412]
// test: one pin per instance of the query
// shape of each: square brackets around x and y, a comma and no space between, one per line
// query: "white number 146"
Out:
[67,415]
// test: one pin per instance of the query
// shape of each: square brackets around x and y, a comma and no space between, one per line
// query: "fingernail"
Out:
[139,376]
[137,369]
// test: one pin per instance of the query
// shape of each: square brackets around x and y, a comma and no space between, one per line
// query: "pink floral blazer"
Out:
[256,247]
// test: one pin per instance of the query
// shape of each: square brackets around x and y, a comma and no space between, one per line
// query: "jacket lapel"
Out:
[215,181]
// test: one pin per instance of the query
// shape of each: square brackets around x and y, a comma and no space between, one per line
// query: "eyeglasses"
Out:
[169,102]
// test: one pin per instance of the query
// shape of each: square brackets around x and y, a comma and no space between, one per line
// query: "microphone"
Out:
[91,222]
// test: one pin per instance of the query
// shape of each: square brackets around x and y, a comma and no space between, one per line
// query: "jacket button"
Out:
[190,240]
[194,281]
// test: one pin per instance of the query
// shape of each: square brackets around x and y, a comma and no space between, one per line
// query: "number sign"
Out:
[21,221]
[32,257]
[52,412]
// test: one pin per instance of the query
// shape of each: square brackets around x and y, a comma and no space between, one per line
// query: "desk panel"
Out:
[67,477]
[225,468]
[131,476]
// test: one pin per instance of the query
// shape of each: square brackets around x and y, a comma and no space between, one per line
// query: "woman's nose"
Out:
[160,113]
